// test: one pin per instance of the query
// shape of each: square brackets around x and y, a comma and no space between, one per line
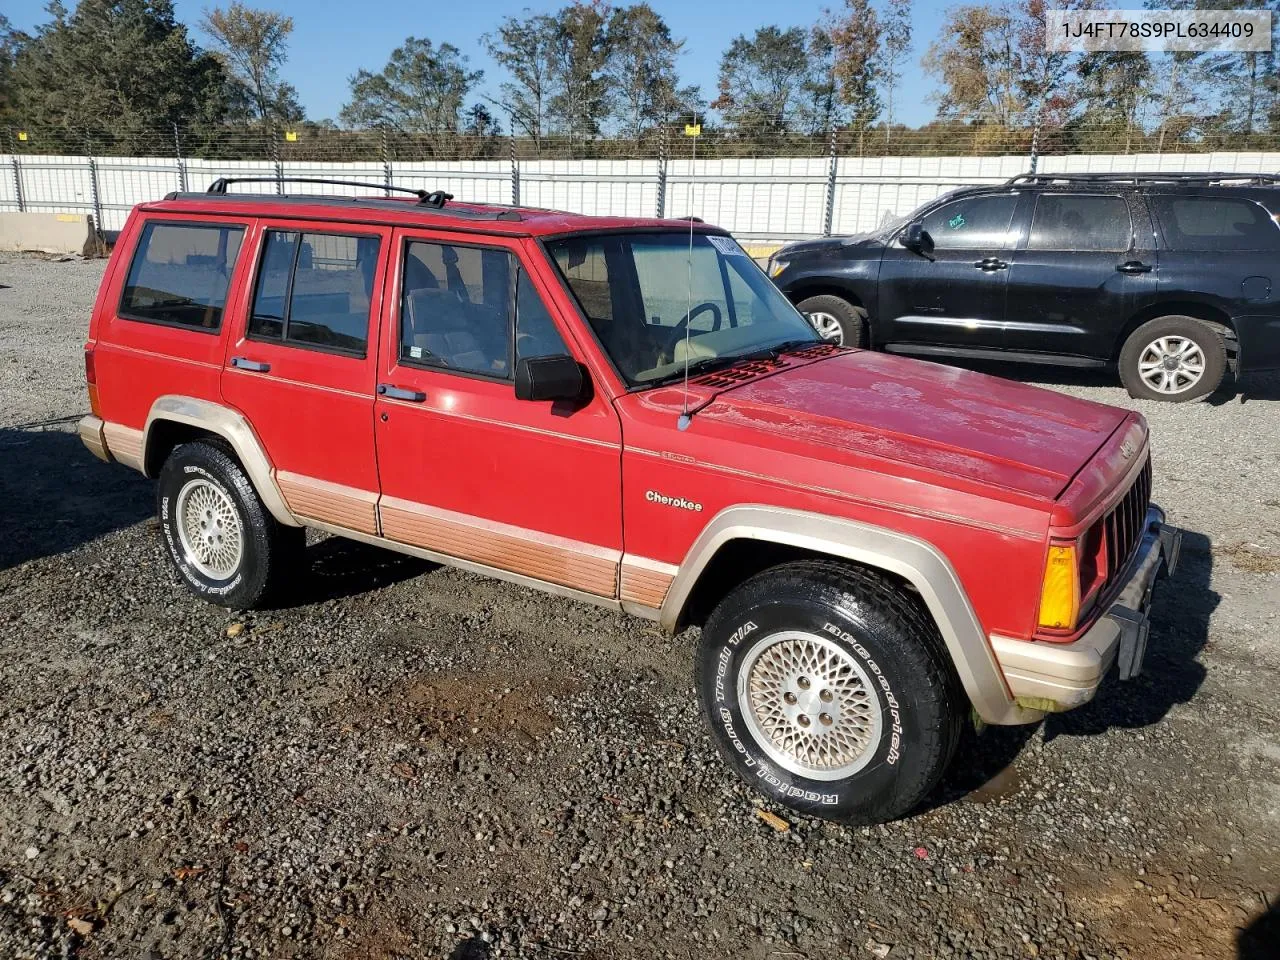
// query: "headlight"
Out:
[1060,595]
[777,266]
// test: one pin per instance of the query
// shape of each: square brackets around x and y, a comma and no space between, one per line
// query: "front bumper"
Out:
[1052,677]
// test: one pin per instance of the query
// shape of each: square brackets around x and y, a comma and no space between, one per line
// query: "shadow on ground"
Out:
[1261,939]
[1171,675]
[338,568]
[55,495]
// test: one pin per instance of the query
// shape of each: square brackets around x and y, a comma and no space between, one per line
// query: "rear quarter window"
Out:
[1212,224]
[180,273]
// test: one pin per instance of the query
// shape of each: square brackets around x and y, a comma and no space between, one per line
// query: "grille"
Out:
[1123,526]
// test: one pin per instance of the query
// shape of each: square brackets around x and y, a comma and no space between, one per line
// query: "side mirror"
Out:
[548,378]
[916,238]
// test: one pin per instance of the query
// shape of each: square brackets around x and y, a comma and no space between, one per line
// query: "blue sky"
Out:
[332,39]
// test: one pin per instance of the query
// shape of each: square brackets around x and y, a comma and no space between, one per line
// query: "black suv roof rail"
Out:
[1244,179]
[434,200]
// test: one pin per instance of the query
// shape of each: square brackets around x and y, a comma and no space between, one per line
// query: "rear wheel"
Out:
[226,546]
[1173,358]
[829,690]
[836,319]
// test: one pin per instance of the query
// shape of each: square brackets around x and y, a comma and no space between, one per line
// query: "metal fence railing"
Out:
[762,198]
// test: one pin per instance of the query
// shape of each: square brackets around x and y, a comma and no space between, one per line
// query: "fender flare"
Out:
[235,429]
[917,561]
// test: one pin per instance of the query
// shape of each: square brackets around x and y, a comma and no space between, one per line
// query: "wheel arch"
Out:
[824,287]
[790,533]
[1205,312]
[175,419]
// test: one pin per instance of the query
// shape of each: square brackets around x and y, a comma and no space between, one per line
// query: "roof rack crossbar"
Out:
[1147,177]
[220,185]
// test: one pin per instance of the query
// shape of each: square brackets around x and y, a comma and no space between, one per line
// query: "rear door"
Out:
[301,364]
[955,296]
[1087,264]
[531,488]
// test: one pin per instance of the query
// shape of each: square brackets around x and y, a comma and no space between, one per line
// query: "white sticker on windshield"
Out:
[728,246]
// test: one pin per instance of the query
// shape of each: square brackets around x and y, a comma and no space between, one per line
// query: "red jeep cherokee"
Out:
[628,412]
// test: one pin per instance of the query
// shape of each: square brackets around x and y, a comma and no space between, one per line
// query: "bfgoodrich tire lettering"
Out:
[860,620]
[255,572]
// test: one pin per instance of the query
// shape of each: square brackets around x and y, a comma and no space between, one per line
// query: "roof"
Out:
[417,210]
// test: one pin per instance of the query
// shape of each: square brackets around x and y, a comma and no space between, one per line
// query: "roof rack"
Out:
[1243,179]
[435,199]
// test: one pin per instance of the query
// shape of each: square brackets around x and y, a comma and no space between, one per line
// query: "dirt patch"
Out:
[1252,558]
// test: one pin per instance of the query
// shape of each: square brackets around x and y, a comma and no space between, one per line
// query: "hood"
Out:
[827,246]
[925,416]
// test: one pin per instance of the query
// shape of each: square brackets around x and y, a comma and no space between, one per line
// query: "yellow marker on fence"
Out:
[693,129]
[291,136]
[22,135]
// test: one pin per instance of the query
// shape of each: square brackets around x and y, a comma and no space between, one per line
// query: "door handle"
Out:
[400,393]
[990,263]
[1133,266]
[243,363]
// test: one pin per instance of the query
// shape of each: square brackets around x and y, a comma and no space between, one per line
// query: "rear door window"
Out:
[974,223]
[180,274]
[1213,224]
[1080,223]
[315,290]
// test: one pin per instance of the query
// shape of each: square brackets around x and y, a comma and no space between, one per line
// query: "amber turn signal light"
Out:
[1060,596]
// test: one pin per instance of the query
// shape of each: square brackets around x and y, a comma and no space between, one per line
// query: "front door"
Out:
[532,488]
[954,296]
[1088,264]
[301,364]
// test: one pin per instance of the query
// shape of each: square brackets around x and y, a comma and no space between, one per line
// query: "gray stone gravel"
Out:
[410,761]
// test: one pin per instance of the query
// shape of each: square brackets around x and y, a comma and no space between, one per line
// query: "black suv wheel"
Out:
[836,319]
[1173,358]
[828,689]
[226,546]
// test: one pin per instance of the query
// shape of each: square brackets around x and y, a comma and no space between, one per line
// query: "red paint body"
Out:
[985,470]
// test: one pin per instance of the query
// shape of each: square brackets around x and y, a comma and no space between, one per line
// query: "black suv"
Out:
[1167,275]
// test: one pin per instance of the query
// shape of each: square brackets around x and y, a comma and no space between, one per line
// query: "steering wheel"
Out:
[679,329]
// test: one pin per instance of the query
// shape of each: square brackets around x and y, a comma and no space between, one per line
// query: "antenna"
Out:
[685,416]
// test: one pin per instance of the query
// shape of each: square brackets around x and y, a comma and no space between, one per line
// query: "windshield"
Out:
[654,300]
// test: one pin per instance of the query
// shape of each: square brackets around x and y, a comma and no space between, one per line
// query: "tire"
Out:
[906,706]
[205,474]
[1167,341]
[851,321]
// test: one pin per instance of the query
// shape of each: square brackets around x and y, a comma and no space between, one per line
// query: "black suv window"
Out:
[1215,223]
[974,223]
[1080,223]
[315,290]
[180,273]
[455,309]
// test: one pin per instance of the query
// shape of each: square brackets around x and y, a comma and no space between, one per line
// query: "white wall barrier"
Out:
[769,199]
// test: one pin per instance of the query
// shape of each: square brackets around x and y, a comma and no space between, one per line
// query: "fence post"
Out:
[828,216]
[1035,144]
[17,173]
[661,205]
[94,194]
[515,171]
[386,163]
[182,164]
[274,134]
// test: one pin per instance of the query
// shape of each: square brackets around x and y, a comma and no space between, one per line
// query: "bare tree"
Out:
[525,48]
[895,46]
[855,36]
[253,46]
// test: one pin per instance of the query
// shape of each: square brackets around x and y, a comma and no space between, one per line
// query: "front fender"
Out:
[916,561]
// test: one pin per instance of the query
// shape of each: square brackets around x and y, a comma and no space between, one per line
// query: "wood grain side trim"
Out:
[569,563]
[334,503]
[646,581]
[124,443]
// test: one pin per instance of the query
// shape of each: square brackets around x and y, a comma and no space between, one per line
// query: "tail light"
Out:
[91,380]
[1060,595]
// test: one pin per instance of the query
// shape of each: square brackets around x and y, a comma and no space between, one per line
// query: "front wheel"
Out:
[836,319]
[1173,358]
[828,689]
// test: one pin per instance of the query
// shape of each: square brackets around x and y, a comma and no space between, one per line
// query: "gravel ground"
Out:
[367,774]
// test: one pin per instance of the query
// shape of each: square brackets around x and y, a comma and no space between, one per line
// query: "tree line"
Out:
[592,75]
